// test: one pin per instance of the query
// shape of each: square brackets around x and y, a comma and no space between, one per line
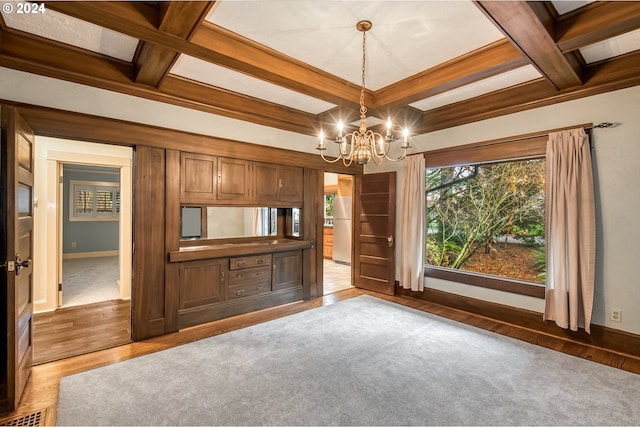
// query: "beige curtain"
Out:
[570,230]
[412,223]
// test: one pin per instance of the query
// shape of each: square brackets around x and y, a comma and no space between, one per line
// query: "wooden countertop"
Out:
[191,253]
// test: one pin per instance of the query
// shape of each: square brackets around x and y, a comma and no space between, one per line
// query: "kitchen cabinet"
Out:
[202,282]
[328,242]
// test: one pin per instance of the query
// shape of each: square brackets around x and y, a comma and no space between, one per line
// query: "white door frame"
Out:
[51,153]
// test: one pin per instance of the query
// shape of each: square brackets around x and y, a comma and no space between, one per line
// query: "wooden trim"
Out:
[601,337]
[177,18]
[528,26]
[485,281]
[601,77]
[596,22]
[64,124]
[490,60]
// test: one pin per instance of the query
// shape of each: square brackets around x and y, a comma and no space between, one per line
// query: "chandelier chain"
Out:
[363,109]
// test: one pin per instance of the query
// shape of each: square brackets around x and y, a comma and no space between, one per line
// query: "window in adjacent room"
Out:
[94,201]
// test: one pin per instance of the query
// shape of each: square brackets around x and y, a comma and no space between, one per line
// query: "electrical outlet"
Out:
[73,244]
[616,315]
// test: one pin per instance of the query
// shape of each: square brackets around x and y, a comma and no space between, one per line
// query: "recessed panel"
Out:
[624,43]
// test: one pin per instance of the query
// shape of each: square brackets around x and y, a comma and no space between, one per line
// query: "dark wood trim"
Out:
[490,60]
[177,18]
[596,22]
[65,124]
[172,240]
[599,78]
[528,26]
[601,337]
[231,50]
[485,281]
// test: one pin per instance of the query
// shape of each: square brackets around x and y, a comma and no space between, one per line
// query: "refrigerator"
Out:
[342,229]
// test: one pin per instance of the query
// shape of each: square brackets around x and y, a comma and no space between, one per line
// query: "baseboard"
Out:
[96,254]
[601,337]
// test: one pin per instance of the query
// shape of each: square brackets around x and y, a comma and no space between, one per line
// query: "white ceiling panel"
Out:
[501,81]
[565,6]
[624,43]
[214,75]
[74,32]
[407,36]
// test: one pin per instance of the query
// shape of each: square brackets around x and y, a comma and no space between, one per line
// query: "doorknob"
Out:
[21,264]
[390,241]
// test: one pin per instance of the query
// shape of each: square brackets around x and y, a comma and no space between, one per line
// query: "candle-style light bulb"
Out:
[321,145]
[340,126]
[388,127]
[405,134]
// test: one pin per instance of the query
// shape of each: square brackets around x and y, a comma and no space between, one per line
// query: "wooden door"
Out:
[17,155]
[374,226]
[287,270]
[290,185]
[197,178]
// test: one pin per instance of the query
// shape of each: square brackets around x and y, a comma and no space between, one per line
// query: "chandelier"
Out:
[363,145]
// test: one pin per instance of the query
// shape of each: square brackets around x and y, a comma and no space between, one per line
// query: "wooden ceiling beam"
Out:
[36,55]
[531,27]
[482,63]
[154,61]
[218,46]
[601,77]
[596,22]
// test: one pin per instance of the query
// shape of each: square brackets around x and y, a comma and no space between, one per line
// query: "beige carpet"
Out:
[89,280]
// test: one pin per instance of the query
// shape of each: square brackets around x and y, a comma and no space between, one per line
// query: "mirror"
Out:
[223,222]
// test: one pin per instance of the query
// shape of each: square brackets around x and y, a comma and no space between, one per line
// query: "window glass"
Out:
[94,201]
[487,219]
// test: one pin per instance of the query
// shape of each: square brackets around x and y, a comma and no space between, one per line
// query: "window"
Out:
[94,201]
[485,220]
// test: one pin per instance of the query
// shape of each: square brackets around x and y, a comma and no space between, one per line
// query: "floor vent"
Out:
[33,419]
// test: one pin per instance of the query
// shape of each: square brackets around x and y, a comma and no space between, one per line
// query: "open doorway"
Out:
[83,247]
[337,232]
[90,223]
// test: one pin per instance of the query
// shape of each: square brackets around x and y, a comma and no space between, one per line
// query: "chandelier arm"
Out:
[330,161]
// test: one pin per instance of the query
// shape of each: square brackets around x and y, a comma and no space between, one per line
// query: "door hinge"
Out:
[59,287]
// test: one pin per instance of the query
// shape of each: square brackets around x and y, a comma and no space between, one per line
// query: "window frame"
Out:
[525,147]
[95,187]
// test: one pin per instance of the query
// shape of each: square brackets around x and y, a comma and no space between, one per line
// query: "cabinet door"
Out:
[290,183]
[233,179]
[265,178]
[203,282]
[197,178]
[287,270]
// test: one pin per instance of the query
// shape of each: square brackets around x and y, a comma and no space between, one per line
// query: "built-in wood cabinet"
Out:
[220,287]
[287,270]
[202,282]
[198,175]
[277,183]
[234,179]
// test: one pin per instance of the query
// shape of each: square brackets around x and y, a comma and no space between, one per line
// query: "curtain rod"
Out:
[487,144]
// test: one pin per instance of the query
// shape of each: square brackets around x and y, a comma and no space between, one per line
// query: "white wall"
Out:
[616,174]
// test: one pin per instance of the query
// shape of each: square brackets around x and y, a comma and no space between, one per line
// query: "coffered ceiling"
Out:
[296,65]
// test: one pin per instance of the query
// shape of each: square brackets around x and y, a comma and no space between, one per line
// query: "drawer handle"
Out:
[240,293]
[261,261]
[260,273]
[259,288]
[241,263]
[239,276]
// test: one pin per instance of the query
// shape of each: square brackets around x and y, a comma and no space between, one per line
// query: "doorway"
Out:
[83,235]
[89,226]
[337,233]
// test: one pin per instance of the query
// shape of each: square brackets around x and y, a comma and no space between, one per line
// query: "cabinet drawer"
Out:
[246,289]
[250,275]
[250,261]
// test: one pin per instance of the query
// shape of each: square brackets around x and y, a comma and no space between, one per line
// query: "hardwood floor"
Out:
[41,392]
[79,330]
